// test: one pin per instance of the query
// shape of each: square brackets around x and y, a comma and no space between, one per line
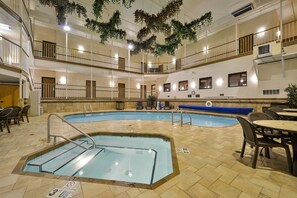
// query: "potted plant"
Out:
[292,95]
[153,100]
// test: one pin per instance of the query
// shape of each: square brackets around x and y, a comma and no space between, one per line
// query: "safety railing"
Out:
[49,135]
[181,115]
[182,118]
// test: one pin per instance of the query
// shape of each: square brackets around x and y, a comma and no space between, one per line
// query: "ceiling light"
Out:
[4,26]
[66,28]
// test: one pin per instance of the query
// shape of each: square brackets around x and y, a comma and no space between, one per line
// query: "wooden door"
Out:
[160,68]
[153,90]
[9,95]
[178,64]
[121,63]
[90,84]
[143,67]
[48,87]
[246,44]
[143,91]
[48,49]
[121,90]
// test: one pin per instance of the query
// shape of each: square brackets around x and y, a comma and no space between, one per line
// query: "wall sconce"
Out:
[174,60]
[149,64]
[116,56]
[130,47]
[66,28]
[174,87]
[193,85]
[137,86]
[205,50]
[81,49]
[219,82]
[160,88]
[63,80]
[261,32]
[111,83]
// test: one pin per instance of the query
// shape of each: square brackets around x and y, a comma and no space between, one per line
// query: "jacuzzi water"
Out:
[197,119]
[143,160]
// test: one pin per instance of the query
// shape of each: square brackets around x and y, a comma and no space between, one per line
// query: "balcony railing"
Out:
[242,46]
[63,91]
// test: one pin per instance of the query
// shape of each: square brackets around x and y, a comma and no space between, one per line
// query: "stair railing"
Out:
[49,135]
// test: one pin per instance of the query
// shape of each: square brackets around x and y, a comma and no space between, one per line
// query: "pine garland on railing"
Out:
[157,23]
[65,7]
[109,29]
[98,5]
[168,48]
[146,46]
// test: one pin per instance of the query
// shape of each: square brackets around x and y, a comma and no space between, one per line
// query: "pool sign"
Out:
[63,192]
[183,150]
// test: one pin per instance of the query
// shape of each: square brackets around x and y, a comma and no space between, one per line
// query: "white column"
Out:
[20,58]
[66,58]
[129,65]
[281,38]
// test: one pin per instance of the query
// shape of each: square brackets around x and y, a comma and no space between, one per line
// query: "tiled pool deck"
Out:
[212,169]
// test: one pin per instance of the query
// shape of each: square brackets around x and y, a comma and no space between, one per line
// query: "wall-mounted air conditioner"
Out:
[267,49]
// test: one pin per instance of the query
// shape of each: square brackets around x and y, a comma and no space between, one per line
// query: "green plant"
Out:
[292,95]
[152,98]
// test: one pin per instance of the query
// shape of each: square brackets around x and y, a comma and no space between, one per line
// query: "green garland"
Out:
[109,29]
[168,48]
[65,7]
[98,5]
[146,46]
[157,23]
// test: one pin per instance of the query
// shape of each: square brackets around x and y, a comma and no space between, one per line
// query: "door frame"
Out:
[42,79]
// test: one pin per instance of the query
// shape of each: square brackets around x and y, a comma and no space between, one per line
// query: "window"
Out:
[166,87]
[205,83]
[237,79]
[183,85]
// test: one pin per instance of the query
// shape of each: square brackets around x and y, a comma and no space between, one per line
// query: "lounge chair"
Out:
[167,105]
[250,137]
[148,105]
[24,112]
[4,115]
[139,105]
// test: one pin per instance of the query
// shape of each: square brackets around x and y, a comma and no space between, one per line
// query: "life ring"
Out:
[208,104]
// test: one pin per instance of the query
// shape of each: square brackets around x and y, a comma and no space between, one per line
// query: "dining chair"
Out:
[4,115]
[24,112]
[250,137]
[272,114]
[276,109]
[15,114]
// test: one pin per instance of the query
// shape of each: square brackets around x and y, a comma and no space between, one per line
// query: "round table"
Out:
[287,114]
[283,125]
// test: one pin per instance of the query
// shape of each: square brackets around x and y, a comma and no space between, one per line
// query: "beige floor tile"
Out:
[198,190]
[122,195]
[92,189]
[133,192]
[288,192]
[247,187]
[224,190]
[174,192]
[148,194]
[19,193]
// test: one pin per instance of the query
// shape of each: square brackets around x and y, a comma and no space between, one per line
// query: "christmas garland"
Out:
[146,46]
[109,29]
[98,5]
[65,7]
[168,48]
[157,23]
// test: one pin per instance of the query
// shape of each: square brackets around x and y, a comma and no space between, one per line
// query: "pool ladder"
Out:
[87,108]
[49,135]
[181,120]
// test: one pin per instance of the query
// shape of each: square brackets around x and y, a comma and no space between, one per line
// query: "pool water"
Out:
[197,119]
[142,160]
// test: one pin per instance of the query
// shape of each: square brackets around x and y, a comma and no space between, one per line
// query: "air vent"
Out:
[243,10]
[271,92]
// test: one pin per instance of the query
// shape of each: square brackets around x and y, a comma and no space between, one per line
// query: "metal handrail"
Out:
[182,121]
[172,120]
[60,136]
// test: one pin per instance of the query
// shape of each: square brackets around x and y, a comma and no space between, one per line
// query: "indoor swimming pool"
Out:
[197,119]
[132,159]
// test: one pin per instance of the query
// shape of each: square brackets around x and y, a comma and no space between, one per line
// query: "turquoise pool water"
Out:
[197,119]
[143,160]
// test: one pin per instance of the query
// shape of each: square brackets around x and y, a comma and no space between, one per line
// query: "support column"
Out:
[281,38]
[66,58]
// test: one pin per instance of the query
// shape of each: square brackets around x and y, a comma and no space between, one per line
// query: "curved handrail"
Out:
[49,130]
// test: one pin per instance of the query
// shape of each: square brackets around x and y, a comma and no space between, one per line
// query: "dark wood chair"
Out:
[167,105]
[4,115]
[149,105]
[15,114]
[139,105]
[24,112]
[250,137]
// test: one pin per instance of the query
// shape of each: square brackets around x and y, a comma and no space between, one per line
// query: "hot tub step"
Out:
[79,162]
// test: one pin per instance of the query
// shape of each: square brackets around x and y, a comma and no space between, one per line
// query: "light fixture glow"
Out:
[116,56]
[278,33]
[254,79]
[261,32]
[63,80]
[0,37]
[174,87]
[137,86]
[219,82]
[116,163]
[130,174]
[160,88]
[193,85]
[81,49]
[205,50]
[66,28]
[174,60]
[149,64]
[4,26]
[130,46]
[111,83]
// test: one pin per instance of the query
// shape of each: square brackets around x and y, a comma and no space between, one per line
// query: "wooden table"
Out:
[290,110]
[283,125]
[287,114]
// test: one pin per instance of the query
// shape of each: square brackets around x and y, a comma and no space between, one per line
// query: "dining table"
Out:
[287,126]
[287,114]
[290,110]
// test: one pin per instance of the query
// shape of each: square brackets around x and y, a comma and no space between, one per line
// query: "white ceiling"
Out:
[191,9]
